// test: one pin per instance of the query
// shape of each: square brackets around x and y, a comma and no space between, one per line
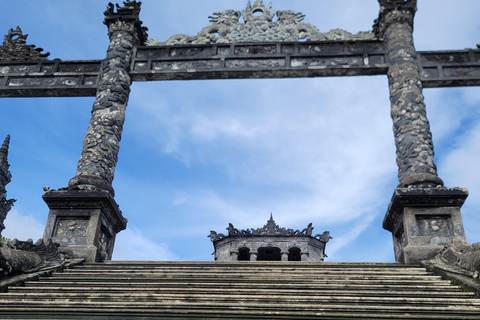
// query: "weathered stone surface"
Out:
[15,48]
[423,220]
[235,290]
[84,223]
[413,138]
[5,178]
[96,167]
[26,257]
[258,26]
[458,257]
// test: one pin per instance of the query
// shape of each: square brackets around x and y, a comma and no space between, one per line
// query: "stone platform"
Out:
[239,290]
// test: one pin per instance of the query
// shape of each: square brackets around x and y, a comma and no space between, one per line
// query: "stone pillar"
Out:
[423,215]
[413,138]
[233,256]
[97,163]
[253,256]
[84,218]
[284,256]
[303,256]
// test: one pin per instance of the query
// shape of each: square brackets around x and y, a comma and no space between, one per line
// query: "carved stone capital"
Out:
[392,12]
[126,19]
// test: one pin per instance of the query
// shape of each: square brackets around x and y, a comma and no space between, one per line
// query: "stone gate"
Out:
[84,218]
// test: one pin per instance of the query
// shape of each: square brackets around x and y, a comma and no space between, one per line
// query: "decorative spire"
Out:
[4,150]
[5,178]
[15,48]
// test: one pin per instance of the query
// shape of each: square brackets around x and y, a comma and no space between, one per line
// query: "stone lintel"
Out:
[84,223]
[423,220]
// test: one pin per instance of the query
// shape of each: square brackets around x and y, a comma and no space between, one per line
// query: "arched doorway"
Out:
[294,254]
[243,254]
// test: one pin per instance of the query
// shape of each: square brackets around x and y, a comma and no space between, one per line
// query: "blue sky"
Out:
[197,155]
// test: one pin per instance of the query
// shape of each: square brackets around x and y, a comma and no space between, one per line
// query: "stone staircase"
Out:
[239,290]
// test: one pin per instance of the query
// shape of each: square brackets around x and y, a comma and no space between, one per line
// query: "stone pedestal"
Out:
[423,220]
[84,223]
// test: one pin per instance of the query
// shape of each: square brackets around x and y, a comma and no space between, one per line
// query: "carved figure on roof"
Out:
[15,48]
[259,26]
[269,229]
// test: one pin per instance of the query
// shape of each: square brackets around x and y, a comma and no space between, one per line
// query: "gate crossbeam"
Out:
[74,78]
[59,78]
[453,68]
[259,60]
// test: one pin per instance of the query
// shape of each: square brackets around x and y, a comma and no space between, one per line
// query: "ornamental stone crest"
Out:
[259,26]
[270,229]
[15,48]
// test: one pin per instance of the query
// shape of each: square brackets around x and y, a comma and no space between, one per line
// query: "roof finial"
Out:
[4,149]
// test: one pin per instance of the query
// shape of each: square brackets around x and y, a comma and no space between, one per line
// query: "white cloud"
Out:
[22,227]
[132,244]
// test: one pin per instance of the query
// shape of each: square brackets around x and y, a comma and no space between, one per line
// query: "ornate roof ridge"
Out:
[15,48]
[270,229]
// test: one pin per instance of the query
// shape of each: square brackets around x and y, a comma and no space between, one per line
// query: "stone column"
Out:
[303,256]
[253,256]
[423,215]
[84,218]
[284,256]
[97,163]
[413,138]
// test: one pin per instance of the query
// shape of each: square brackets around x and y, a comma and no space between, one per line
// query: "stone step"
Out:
[53,313]
[443,286]
[142,297]
[357,306]
[242,277]
[421,280]
[283,271]
[250,265]
[205,290]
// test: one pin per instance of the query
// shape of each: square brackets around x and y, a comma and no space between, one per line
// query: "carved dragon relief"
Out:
[270,229]
[15,48]
[27,257]
[458,257]
[259,26]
